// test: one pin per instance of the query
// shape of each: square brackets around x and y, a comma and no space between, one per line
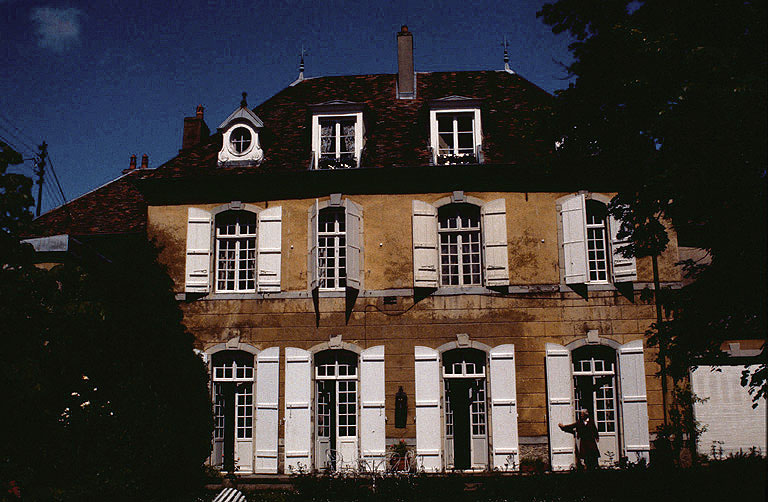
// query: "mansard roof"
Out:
[397,136]
[396,130]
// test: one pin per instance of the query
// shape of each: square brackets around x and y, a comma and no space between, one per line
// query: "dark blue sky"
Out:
[101,80]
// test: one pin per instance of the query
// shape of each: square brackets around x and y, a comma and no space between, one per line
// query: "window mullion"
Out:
[237,262]
[338,139]
[455,135]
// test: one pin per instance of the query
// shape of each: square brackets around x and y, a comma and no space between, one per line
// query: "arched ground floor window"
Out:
[244,395]
[608,380]
[470,391]
[334,408]
[465,409]
[233,379]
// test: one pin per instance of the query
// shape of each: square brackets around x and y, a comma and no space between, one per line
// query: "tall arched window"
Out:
[236,251]
[233,378]
[332,249]
[335,409]
[592,250]
[460,253]
[466,416]
[594,383]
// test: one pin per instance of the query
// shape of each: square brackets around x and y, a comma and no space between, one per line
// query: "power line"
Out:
[56,178]
[18,135]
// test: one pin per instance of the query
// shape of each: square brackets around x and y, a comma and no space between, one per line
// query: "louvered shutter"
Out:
[428,419]
[354,229]
[270,242]
[265,437]
[634,409]
[312,246]
[298,392]
[425,257]
[198,250]
[504,407]
[624,268]
[494,224]
[562,445]
[574,249]
[373,441]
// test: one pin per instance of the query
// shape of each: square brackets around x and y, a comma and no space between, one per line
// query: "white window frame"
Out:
[231,142]
[607,250]
[574,242]
[335,235]
[237,238]
[460,254]
[359,132]
[433,130]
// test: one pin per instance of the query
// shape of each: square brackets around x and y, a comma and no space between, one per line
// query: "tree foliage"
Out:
[104,397]
[669,105]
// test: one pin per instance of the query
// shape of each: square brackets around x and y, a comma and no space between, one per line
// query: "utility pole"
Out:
[40,172]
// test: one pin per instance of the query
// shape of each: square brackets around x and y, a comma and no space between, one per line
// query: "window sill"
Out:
[403,292]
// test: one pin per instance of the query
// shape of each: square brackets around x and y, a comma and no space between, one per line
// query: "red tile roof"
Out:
[397,134]
[114,208]
[396,131]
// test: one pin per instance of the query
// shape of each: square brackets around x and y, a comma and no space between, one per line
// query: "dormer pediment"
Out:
[242,114]
[337,106]
[454,101]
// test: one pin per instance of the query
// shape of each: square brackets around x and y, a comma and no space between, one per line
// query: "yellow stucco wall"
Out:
[532,223]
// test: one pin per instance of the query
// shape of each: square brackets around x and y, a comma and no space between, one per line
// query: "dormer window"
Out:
[240,138]
[455,133]
[337,142]
[337,135]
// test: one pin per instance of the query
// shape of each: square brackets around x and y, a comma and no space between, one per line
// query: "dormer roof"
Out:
[242,113]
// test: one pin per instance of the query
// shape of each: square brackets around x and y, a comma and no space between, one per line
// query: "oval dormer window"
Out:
[240,141]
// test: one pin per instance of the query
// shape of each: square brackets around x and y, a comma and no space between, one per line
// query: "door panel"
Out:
[479,424]
[244,427]
[325,427]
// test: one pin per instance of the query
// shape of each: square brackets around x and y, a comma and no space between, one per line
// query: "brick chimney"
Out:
[131,166]
[145,161]
[406,77]
[195,129]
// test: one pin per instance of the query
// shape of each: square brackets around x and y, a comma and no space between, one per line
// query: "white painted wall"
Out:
[728,413]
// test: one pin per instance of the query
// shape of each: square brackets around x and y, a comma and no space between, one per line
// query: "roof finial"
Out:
[244,103]
[301,64]
[506,57]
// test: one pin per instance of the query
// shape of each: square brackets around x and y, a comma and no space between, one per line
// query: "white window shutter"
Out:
[624,268]
[504,408]
[494,224]
[354,229]
[562,445]
[425,257]
[298,392]
[270,244]
[634,403]
[265,434]
[373,442]
[428,419]
[574,248]
[312,279]
[198,251]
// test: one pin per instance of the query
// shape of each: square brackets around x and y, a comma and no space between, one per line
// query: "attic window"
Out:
[240,140]
[337,135]
[455,132]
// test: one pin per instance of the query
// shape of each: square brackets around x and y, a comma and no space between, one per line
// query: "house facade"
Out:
[369,259]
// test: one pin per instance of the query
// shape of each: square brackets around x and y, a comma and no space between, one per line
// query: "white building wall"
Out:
[727,413]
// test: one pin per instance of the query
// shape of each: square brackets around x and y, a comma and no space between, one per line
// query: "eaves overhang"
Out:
[220,186]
